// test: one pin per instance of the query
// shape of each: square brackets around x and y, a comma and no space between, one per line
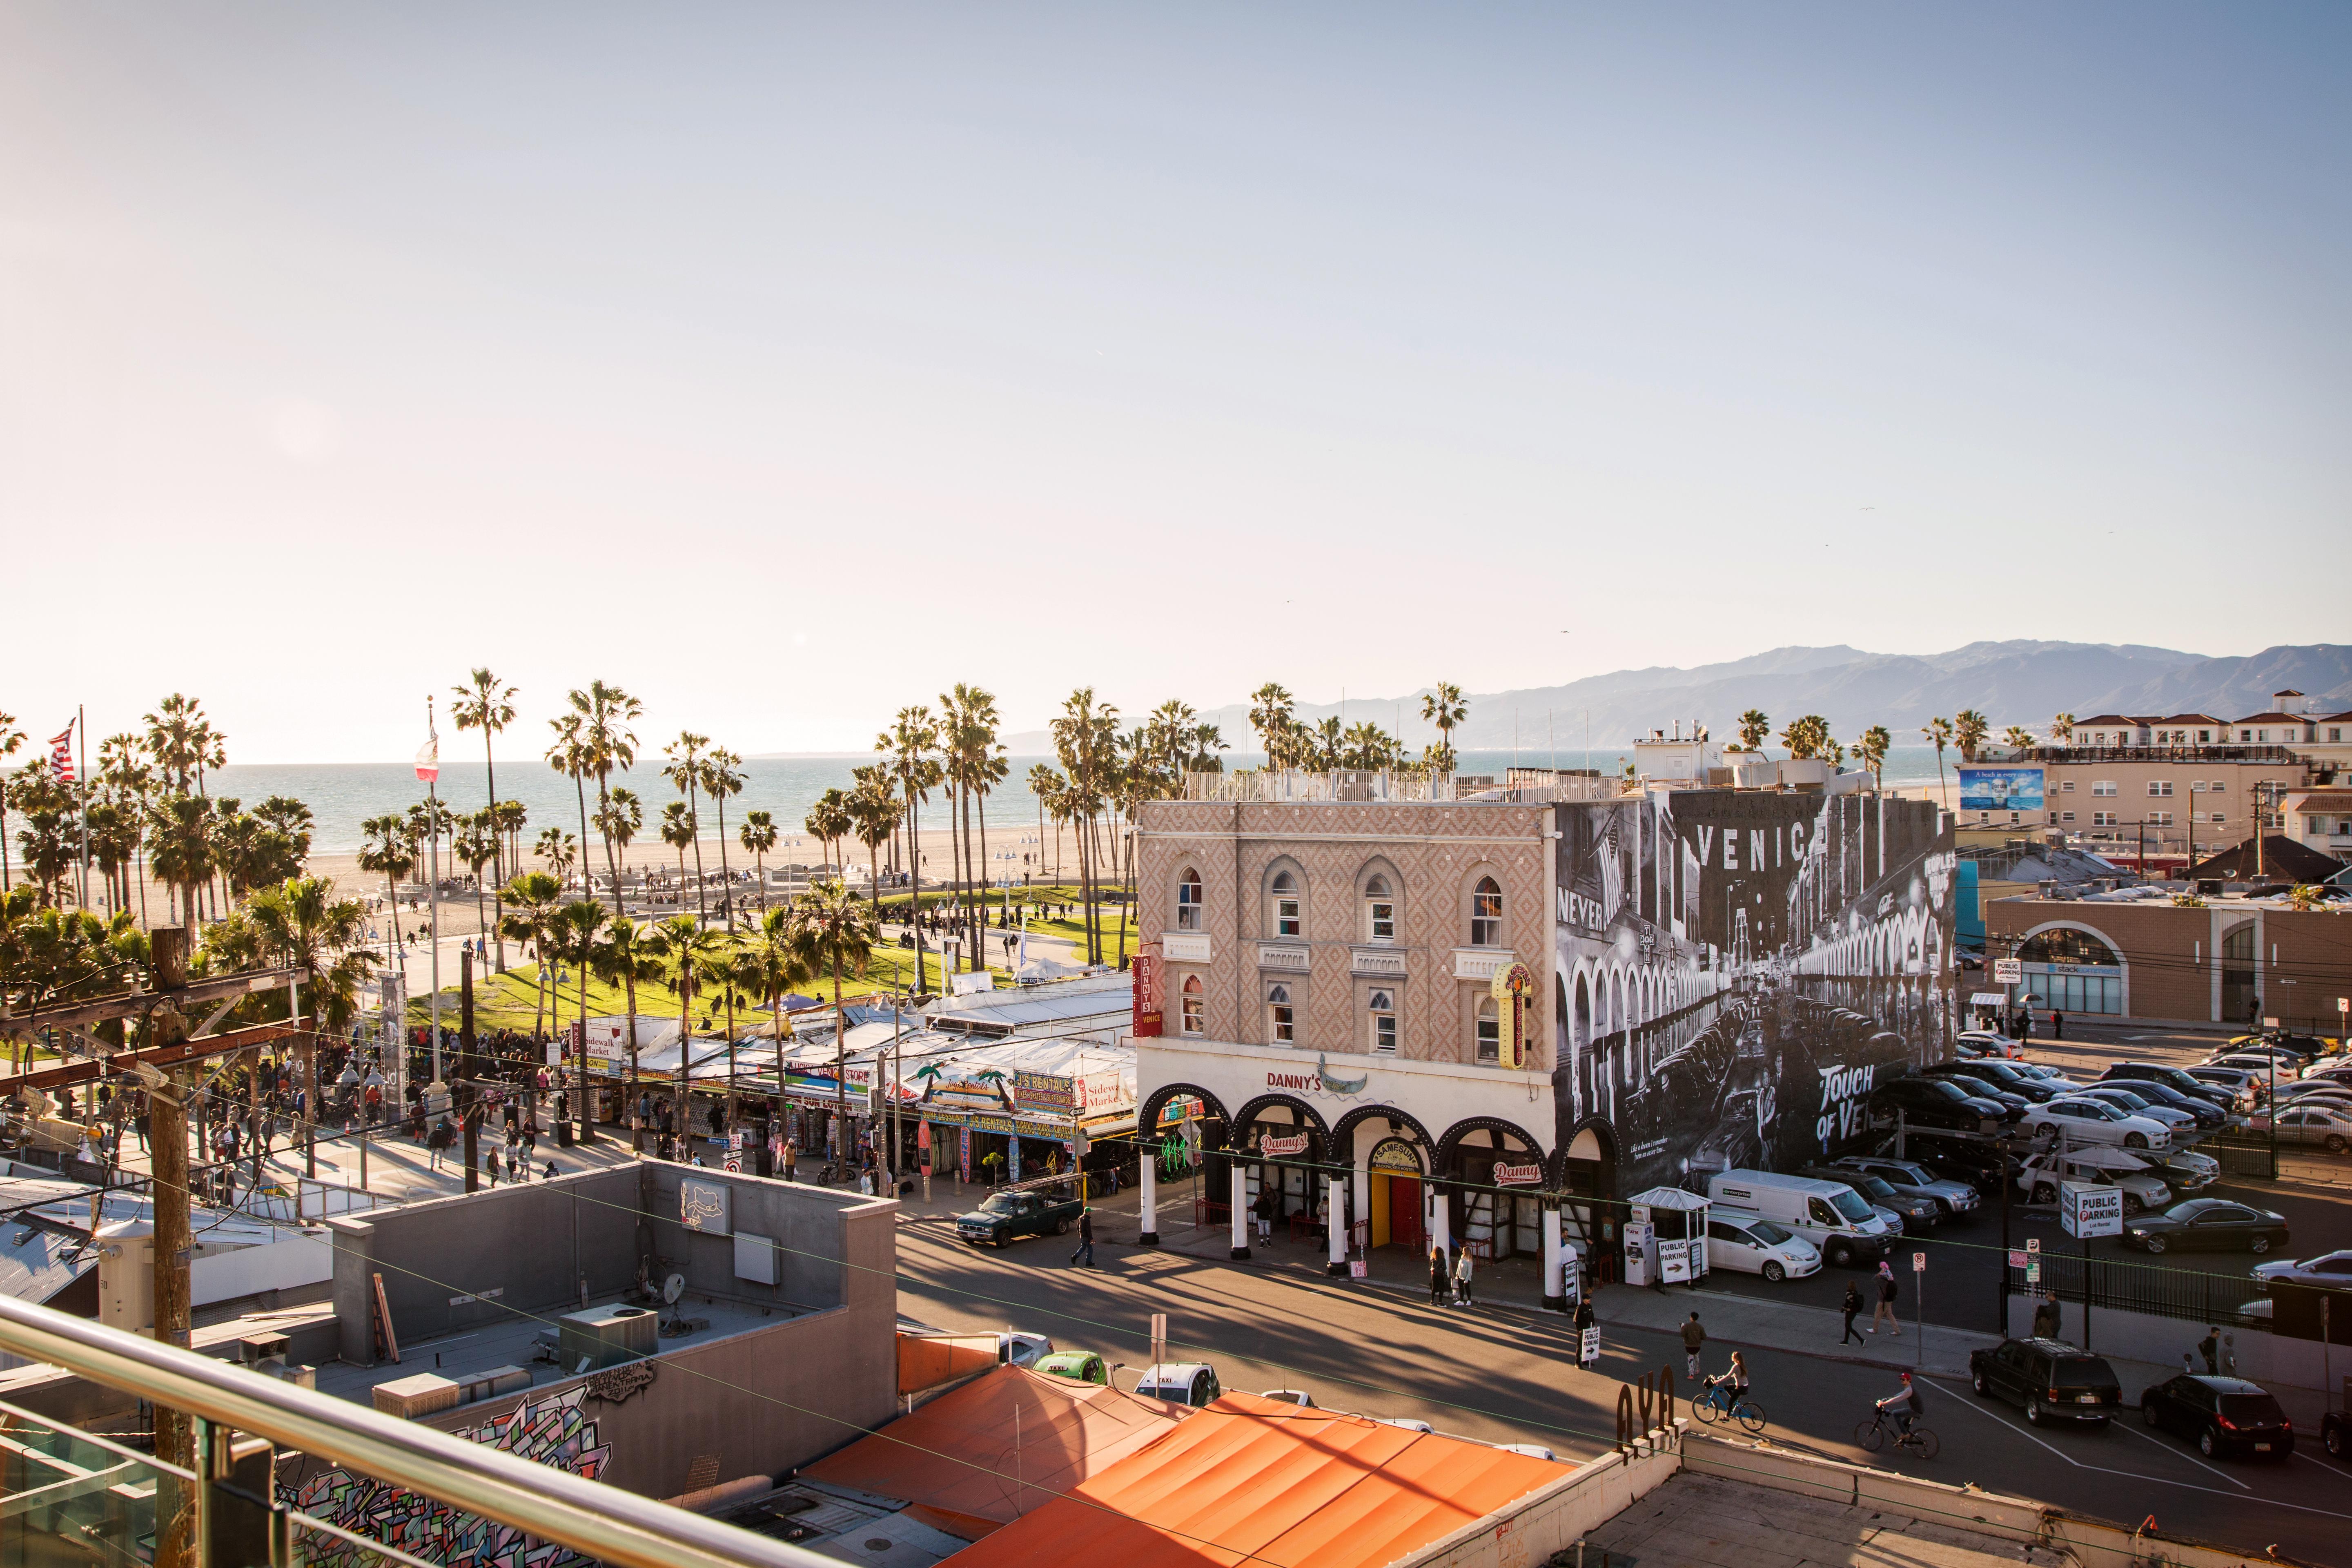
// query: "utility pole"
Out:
[173,1240]
[473,1121]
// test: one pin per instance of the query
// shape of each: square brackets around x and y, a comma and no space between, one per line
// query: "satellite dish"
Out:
[672,1288]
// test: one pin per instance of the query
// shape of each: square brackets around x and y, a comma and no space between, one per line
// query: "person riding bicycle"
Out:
[1733,1382]
[1906,1405]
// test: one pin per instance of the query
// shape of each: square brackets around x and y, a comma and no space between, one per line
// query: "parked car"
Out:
[2309,1088]
[1006,1216]
[1909,1212]
[1746,1245]
[2039,1174]
[2310,1048]
[2176,1077]
[1078,1366]
[2185,1171]
[2052,1380]
[2219,1415]
[1190,1382]
[2207,1111]
[1014,1348]
[2330,1269]
[2245,1088]
[1955,1198]
[1831,1215]
[2179,1123]
[2001,1077]
[1987,1043]
[2311,1124]
[2335,1070]
[2096,1121]
[1297,1397]
[1936,1102]
[2206,1224]
[2335,1432]
[2280,1068]
[1977,1164]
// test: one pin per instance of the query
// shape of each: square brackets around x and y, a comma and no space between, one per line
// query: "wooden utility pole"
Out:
[467,1090]
[173,1242]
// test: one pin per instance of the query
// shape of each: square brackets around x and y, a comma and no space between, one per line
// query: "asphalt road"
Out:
[1506,1376]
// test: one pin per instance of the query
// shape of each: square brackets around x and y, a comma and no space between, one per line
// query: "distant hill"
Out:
[2019,682]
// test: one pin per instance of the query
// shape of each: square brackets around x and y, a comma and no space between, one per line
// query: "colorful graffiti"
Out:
[554,1430]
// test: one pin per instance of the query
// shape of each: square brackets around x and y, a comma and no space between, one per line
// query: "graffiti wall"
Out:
[553,1429]
[1738,968]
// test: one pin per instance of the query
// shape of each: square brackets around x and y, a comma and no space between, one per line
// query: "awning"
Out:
[1988,999]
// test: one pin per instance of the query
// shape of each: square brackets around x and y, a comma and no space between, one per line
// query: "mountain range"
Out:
[2015,682]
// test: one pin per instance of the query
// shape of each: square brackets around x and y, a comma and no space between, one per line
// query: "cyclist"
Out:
[1734,1382]
[1906,1405]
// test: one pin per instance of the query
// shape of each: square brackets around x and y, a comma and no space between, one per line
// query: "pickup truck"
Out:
[1007,1216]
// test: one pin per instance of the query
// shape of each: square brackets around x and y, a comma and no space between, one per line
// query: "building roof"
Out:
[2282,859]
[2110,721]
[1250,1478]
[952,1462]
[2273,717]
[2193,719]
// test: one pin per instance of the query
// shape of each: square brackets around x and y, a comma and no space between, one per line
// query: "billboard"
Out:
[2000,789]
[1738,969]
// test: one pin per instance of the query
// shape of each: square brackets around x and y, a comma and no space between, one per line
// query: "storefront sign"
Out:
[1512,988]
[1279,1148]
[1180,1108]
[1145,1018]
[1394,1154]
[1518,1175]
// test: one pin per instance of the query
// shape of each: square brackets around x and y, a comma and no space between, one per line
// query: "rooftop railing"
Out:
[99,1501]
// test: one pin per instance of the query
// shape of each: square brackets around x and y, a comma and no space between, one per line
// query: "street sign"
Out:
[2032,1243]
[1918,1263]
[2086,1210]
[2008,971]
[2033,1274]
[2017,1259]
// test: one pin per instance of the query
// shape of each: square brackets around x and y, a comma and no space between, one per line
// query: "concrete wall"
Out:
[2262,1356]
[2170,954]
[816,1231]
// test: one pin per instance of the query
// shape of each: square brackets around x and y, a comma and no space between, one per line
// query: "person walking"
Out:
[1886,1308]
[792,1158]
[1461,1276]
[1439,1275]
[1850,1306]
[1694,1336]
[1588,1351]
[2045,1316]
[1085,1247]
[2209,1347]
[2057,1026]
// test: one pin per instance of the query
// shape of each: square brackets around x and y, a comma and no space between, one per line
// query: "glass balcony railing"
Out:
[74,1499]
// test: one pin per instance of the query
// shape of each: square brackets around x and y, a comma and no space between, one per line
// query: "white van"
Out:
[1840,1222]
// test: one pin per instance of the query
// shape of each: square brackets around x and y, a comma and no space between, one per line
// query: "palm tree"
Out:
[831,931]
[769,968]
[619,818]
[828,821]
[1873,749]
[692,955]
[907,748]
[487,705]
[758,836]
[625,956]
[303,922]
[1809,737]
[1755,728]
[512,819]
[2062,729]
[560,850]
[1270,716]
[1085,739]
[477,845]
[573,932]
[684,770]
[387,850]
[1445,707]
[11,738]
[975,763]
[873,817]
[2019,736]
[568,757]
[533,896]
[1939,732]
[608,745]
[722,775]
[1969,730]
[677,832]
[1051,790]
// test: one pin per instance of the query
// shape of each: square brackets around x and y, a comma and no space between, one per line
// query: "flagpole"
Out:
[81,788]
[437,1093]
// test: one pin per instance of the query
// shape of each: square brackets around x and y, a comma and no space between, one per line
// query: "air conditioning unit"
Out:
[606,1336]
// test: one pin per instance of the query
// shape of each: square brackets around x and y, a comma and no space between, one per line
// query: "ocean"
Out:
[342,796]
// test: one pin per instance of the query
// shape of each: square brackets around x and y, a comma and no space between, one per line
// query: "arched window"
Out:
[1379,909]
[1487,913]
[1489,1032]
[2065,944]
[1381,1006]
[1281,1019]
[1281,915]
[1188,901]
[1192,1010]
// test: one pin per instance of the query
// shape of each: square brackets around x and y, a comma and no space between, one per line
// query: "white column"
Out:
[1438,1218]
[1149,1209]
[1241,1211]
[1336,1222]
[1555,1288]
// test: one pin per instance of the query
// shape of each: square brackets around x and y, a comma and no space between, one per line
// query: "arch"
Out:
[1147,1115]
[1592,1140]
[1488,924]
[1447,1157]
[2067,941]
[1191,1006]
[1305,1117]
[1191,901]
[1343,1132]
[1378,881]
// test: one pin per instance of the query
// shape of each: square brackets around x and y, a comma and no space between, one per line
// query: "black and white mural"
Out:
[1738,968]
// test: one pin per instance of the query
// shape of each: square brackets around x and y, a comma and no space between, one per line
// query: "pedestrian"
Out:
[1694,1336]
[1850,1305]
[1886,1308]
[1086,1239]
[2045,1316]
[1439,1274]
[1587,1349]
[2057,1025]
[2209,1347]
[792,1158]
[1462,1278]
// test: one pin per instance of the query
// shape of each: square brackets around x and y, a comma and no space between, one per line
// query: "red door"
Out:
[1404,1213]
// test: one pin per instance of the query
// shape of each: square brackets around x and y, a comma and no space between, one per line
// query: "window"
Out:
[2212,816]
[1192,1008]
[2217,786]
[2067,788]
[1487,914]
[2159,819]
[2197,786]
[1489,1031]
[2335,735]
[1188,901]
[2065,817]
[1281,1021]
[2159,788]
[1379,911]
[2204,737]
[2103,819]
[2245,735]
[1284,919]
[1383,1005]
[2103,786]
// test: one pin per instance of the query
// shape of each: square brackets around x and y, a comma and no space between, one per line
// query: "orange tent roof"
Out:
[1002,1444]
[1252,1479]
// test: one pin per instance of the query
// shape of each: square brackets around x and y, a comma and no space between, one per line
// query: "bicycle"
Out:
[1717,1404]
[1873,1435]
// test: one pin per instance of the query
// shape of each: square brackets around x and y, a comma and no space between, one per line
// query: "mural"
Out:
[1737,969]
[553,1430]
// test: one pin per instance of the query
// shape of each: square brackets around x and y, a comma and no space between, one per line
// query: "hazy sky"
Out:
[786,364]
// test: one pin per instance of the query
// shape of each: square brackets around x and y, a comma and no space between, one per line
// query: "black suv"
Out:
[2171,1078]
[2053,1380]
[1994,1080]
[1939,1102]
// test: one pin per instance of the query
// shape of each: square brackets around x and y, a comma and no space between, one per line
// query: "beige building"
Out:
[2320,819]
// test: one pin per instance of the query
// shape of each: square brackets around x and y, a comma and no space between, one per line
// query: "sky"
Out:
[785,365]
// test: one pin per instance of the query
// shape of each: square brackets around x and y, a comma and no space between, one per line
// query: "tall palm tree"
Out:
[532,899]
[983,768]
[770,967]
[1872,750]
[1755,729]
[684,770]
[722,775]
[512,819]
[873,817]
[625,956]
[907,747]
[1052,792]
[11,739]
[1085,739]
[619,819]
[758,836]
[387,850]
[828,821]
[477,845]
[1968,730]
[677,832]
[832,931]
[487,705]
[1445,707]
[1938,732]
[691,956]
[2062,729]
[568,755]
[608,746]
[1271,716]
[574,930]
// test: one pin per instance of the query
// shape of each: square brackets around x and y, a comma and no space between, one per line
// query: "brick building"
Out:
[2233,960]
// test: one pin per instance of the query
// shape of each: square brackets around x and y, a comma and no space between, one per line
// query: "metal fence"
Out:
[2243,1153]
[2160,1291]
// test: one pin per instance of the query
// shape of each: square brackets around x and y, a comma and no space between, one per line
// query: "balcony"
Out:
[1291,956]
[1379,962]
[1184,946]
[1482,962]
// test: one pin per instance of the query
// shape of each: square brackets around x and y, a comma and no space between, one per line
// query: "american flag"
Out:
[61,761]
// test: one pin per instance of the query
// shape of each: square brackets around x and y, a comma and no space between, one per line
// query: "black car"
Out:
[1978,1165]
[1936,1102]
[2052,1380]
[1996,1079]
[2219,1415]
[2206,1224]
[2175,1078]
[2209,1115]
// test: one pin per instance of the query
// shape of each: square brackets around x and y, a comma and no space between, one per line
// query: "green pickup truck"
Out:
[1006,1216]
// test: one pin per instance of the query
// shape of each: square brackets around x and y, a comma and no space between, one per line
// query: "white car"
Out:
[2187,1172]
[1016,1348]
[2142,1188]
[2335,1071]
[2120,1096]
[1748,1246]
[2327,1127]
[2096,1121]
[1192,1383]
[1990,1044]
